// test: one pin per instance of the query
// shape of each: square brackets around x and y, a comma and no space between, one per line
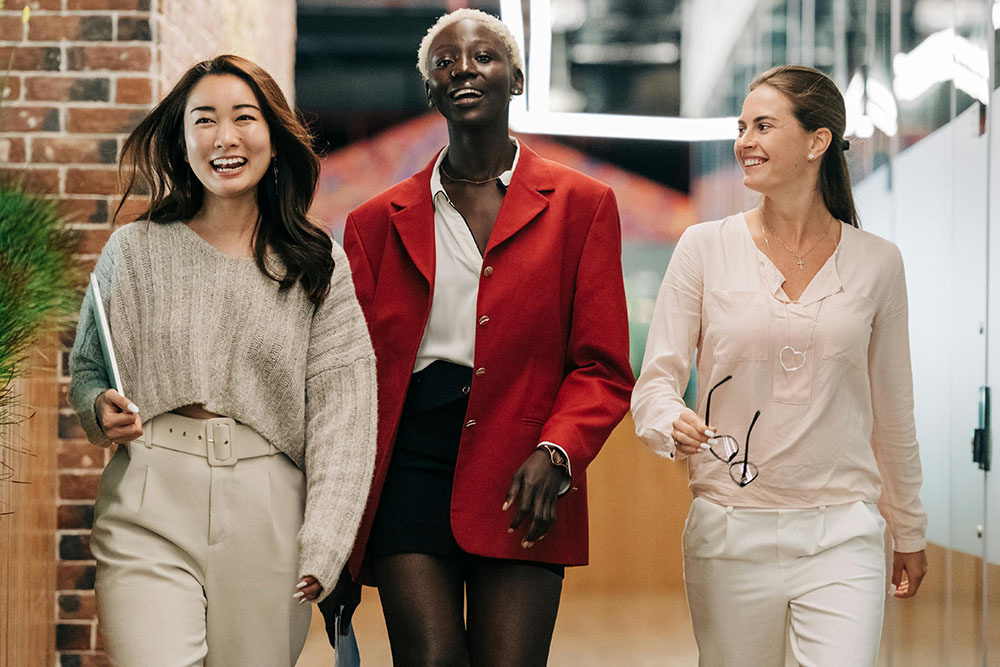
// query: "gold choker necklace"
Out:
[470,181]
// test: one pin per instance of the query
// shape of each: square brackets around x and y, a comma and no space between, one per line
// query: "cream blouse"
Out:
[837,430]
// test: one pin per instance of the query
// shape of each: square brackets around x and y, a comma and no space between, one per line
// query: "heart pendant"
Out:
[797,359]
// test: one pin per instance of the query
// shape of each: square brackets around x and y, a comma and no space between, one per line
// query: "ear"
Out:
[517,87]
[820,141]
[427,93]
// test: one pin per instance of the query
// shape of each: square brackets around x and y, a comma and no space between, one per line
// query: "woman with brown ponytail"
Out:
[803,439]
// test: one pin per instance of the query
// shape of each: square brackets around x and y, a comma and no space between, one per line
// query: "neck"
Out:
[796,218]
[477,154]
[230,218]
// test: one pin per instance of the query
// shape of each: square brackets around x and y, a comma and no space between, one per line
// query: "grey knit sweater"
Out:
[191,324]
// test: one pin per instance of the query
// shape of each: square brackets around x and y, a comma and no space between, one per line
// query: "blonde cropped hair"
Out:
[496,26]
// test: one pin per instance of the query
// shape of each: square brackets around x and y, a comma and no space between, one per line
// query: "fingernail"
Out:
[704,446]
[713,441]
[298,595]
[302,600]
[526,544]
[510,530]
[301,584]
[506,504]
[892,589]
[709,433]
[133,408]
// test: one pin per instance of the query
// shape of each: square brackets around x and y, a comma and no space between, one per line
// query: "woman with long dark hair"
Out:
[802,448]
[246,440]
[492,285]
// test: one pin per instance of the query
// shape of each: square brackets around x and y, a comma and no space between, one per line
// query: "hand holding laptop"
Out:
[118,417]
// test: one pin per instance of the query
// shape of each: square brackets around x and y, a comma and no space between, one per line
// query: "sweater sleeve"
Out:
[341,412]
[894,439]
[88,374]
[658,398]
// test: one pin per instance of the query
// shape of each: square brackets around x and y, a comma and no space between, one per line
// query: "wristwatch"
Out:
[556,457]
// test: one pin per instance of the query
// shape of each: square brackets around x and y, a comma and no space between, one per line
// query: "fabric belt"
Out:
[221,440]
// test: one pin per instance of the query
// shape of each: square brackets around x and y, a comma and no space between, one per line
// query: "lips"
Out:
[465,95]
[228,164]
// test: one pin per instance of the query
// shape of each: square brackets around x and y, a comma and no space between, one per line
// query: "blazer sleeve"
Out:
[593,397]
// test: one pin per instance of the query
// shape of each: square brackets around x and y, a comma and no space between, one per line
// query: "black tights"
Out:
[511,611]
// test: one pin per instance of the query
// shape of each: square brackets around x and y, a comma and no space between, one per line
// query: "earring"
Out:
[430,103]
[812,157]
[274,169]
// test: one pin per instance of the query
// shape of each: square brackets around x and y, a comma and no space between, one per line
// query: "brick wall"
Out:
[84,73]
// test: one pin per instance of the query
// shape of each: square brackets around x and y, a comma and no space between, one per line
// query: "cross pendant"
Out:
[800,263]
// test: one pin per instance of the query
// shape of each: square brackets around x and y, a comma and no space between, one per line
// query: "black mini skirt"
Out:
[414,510]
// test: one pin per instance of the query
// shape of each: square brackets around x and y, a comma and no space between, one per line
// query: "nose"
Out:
[226,135]
[464,66]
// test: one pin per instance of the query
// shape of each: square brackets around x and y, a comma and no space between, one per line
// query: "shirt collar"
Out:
[504,178]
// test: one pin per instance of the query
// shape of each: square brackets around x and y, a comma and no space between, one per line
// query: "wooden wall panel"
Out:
[27,536]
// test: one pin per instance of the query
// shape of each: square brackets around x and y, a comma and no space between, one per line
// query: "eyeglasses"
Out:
[726,447]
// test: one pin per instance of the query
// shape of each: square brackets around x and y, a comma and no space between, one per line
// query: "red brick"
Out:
[110,121]
[131,209]
[75,637]
[75,517]
[84,210]
[11,88]
[75,576]
[71,28]
[12,149]
[69,424]
[91,181]
[29,119]
[139,5]
[80,455]
[77,606]
[18,5]
[11,29]
[117,58]
[134,91]
[79,486]
[67,88]
[31,58]
[68,150]
[93,240]
[132,29]
[34,180]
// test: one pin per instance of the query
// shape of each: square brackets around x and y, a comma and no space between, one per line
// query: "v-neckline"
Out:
[821,282]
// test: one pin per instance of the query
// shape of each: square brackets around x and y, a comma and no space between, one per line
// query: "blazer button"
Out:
[488,271]
[470,423]
[483,320]
[480,371]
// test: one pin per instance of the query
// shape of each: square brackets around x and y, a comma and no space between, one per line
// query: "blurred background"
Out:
[640,94]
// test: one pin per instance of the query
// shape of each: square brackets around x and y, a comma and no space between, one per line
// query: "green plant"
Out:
[39,281]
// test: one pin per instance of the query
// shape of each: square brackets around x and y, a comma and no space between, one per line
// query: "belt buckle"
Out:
[219,433]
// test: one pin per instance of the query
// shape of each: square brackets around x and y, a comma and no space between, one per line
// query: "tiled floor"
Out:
[592,631]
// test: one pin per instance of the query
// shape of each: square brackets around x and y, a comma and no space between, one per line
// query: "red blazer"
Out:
[554,348]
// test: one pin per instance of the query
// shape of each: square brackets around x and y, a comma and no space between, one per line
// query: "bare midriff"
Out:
[195,411]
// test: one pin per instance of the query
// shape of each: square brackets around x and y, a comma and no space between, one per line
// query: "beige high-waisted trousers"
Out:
[760,581]
[197,563]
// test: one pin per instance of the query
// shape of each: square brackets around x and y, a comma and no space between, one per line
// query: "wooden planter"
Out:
[27,537]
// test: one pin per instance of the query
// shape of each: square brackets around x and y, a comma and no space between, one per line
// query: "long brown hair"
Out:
[153,162]
[817,103]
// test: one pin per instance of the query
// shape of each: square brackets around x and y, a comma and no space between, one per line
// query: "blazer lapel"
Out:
[524,200]
[414,221]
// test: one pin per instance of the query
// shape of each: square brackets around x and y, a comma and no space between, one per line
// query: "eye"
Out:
[442,62]
[740,130]
[484,58]
[764,127]
[203,120]
[246,116]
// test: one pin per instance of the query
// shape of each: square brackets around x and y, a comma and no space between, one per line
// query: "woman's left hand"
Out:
[534,491]
[308,589]
[914,566]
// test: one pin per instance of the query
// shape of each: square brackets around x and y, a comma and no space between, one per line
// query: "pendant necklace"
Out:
[800,262]
[790,358]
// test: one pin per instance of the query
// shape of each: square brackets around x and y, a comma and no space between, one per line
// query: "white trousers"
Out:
[759,581]
[196,565]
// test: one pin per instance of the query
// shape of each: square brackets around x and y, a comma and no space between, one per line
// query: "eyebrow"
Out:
[235,107]
[760,118]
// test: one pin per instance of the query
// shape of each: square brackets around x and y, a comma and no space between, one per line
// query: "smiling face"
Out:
[471,76]
[227,140]
[772,147]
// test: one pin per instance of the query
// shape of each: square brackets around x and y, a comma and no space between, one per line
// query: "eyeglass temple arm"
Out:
[746,447]
[708,401]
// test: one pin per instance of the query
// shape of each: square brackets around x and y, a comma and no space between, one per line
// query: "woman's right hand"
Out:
[118,417]
[691,435]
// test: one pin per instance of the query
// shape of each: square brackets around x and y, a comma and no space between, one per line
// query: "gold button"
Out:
[483,320]
[470,423]
[488,271]
[480,371]
[466,389]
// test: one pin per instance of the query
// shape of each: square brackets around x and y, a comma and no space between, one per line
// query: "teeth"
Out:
[752,162]
[228,163]
[466,92]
